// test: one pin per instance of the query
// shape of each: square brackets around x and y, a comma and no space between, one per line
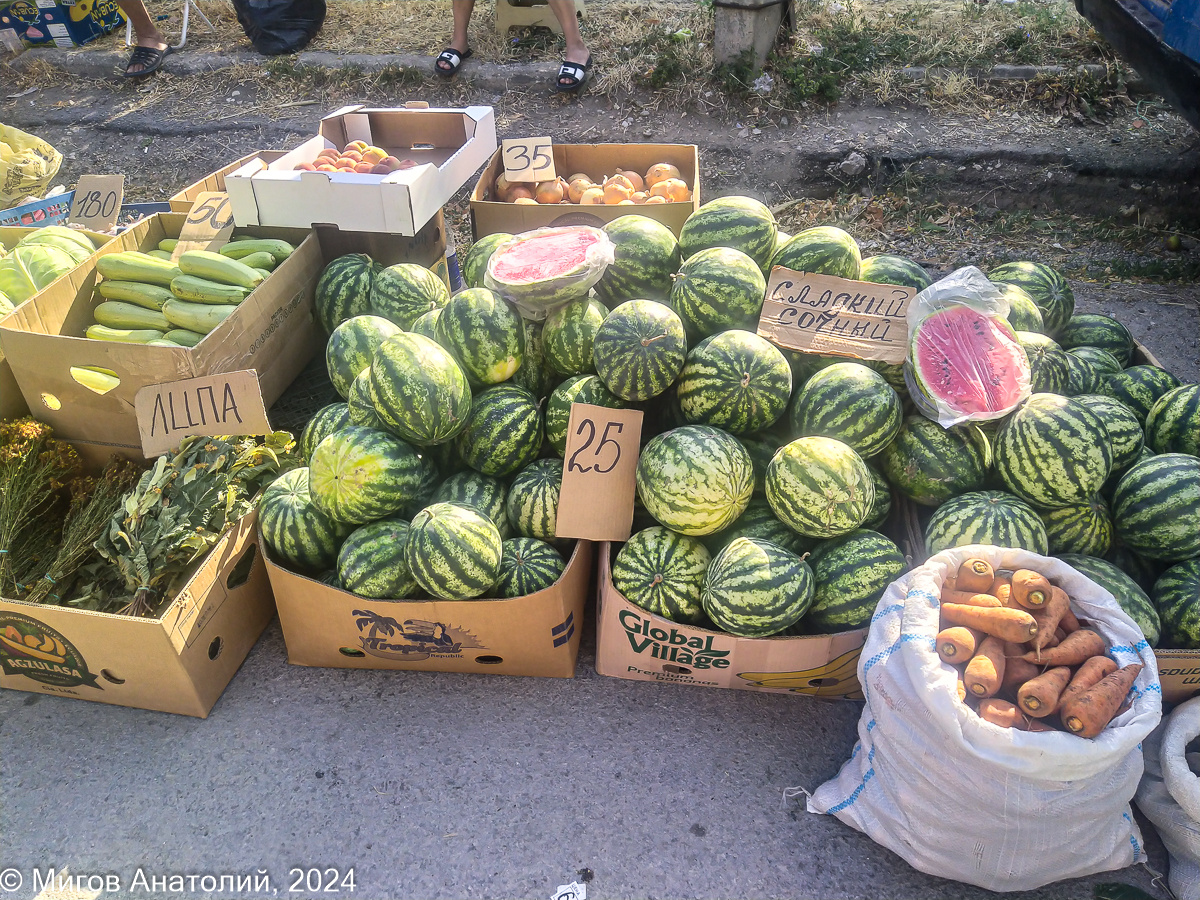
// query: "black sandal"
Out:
[574,74]
[149,58]
[453,60]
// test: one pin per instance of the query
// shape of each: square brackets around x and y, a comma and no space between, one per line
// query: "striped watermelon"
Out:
[453,551]
[361,404]
[568,333]
[371,562]
[1131,598]
[1095,330]
[1049,290]
[663,573]
[475,262]
[851,574]
[1049,371]
[419,391]
[824,250]
[1082,376]
[1140,387]
[426,324]
[887,269]
[850,402]
[1177,596]
[1156,507]
[294,527]
[406,291]
[820,487]
[930,464]
[1023,314]
[483,492]
[1080,528]
[762,449]
[344,290]
[755,588]
[695,479]
[527,566]
[645,256]
[1102,361]
[504,431]
[351,347]
[759,522]
[1173,425]
[882,507]
[639,349]
[986,517]
[542,269]
[735,380]
[535,374]
[1053,452]
[578,389]
[358,475]
[739,223]
[1143,571]
[718,289]
[324,422]
[1120,424]
[429,480]
[484,334]
[532,504]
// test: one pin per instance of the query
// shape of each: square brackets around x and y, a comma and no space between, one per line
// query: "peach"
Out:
[548,192]
[326,167]
[328,152]
[352,154]
[364,168]
[593,196]
[305,167]
[374,155]
[380,169]
[357,145]
[660,172]
[391,162]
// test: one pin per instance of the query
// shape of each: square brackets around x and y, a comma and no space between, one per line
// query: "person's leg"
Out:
[144,29]
[564,11]
[458,38]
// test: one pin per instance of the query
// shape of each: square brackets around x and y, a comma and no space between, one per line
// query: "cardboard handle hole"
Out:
[489,660]
[676,670]
[109,676]
[240,573]
[50,401]
[351,652]
[823,682]
[215,648]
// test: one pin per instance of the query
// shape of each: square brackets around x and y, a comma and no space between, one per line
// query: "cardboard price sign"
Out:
[97,201]
[596,500]
[208,225]
[836,316]
[528,159]
[230,403]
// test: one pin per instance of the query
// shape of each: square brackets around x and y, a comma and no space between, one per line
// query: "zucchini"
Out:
[201,290]
[168,244]
[150,296]
[135,266]
[215,267]
[198,317]
[184,336]
[264,272]
[116,314]
[165,343]
[95,378]
[123,335]
[260,260]
[158,254]
[241,247]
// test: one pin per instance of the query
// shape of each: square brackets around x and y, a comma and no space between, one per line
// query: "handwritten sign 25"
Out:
[599,464]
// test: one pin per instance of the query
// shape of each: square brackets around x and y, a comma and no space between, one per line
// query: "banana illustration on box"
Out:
[834,679]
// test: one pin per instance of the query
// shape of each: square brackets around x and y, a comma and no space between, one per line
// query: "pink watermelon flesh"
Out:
[550,255]
[970,361]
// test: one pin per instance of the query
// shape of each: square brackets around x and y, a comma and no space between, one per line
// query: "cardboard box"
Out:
[533,635]
[449,144]
[179,662]
[215,181]
[1179,673]
[66,24]
[634,644]
[489,215]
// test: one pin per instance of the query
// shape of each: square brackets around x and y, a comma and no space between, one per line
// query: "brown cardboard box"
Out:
[533,635]
[179,662]
[1179,672]
[637,645]
[489,215]
[215,181]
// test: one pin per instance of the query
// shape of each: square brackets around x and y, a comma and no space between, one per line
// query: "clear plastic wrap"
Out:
[545,268]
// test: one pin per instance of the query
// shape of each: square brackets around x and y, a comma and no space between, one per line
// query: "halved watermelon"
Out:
[539,270]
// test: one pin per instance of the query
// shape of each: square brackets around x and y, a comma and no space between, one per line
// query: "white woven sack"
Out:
[1169,796]
[961,798]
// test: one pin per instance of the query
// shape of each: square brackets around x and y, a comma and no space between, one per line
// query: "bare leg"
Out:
[564,11]
[144,29]
[462,18]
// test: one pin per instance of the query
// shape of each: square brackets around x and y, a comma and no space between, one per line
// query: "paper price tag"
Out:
[836,316]
[596,500]
[230,403]
[208,225]
[97,202]
[528,159]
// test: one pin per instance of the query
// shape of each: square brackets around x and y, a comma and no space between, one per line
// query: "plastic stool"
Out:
[188,5]
[528,14]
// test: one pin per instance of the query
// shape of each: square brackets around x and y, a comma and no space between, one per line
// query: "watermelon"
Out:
[1049,290]
[1139,388]
[527,566]
[762,449]
[483,492]
[542,269]
[1102,361]
[1156,507]
[824,250]
[695,479]
[1120,424]
[475,262]
[503,432]
[1095,330]
[819,487]
[1173,425]
[324,422]
[453,551]
[930,464]
[882,507]
[1049,371]
[568,333]
[1082,376]
[532,504]
[967,364]
[426,324]
[351,347]
[358,475]
[663,573]
[887,269]
[735,380]
[1176,594]
[759,522]
[404,292]
[1023,314]
[718,289]
[578,389]
[1143,571]
[344,290]
[754,588]
[1080,528]
[645,256]
[295,529]
[484,334]
[849,402]
[430,478]
[419,391]
[1129,596]
[739,223]
[851,574]
[639,349]
[361,404]
[371,562]
[535,374]
[1053,452]
[985,517]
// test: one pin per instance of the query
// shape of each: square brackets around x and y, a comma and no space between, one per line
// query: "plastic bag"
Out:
[545,268]
[280,26]
[27,165]
[960,798]
[964,361]
[1169,796]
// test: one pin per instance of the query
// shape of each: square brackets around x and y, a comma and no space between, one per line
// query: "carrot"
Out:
[1006,624]
[957,644]
[985,671]
[1016,671]
[1002,581]
[1003,593]
[1069,623]
[950,584]
[1087,714]
[1087,675]
[975,575]
[1078,646]
[969,599]
[1030,589]
[962,689]
[1002,713]
[1049,616]
[1039,697]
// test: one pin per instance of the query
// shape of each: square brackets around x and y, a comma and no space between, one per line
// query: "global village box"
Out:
[215,181]
[638,645]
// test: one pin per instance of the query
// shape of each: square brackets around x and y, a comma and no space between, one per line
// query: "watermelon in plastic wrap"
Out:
[542,269]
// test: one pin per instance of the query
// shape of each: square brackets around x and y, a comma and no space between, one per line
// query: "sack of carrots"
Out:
[1024,699]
